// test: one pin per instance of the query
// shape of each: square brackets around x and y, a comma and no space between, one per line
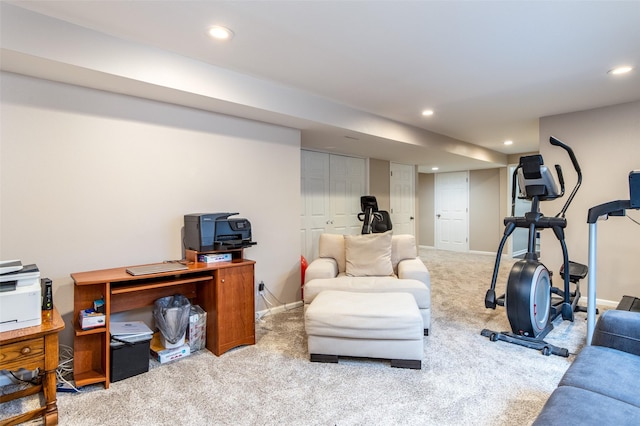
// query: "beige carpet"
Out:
[465,380]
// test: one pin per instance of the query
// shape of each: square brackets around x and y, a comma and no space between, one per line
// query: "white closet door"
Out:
[315,201]
[331,187]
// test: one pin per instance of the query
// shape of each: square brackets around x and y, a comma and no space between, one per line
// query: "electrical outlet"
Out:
[261,287]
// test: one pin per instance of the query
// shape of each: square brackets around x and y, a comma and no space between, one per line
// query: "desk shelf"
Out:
[236,254]
[81,332]
[154,284]
[89,365]
[90,377]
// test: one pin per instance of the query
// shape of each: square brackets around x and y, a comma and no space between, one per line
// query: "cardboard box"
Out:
[197,330]
[163,355]
[91,319]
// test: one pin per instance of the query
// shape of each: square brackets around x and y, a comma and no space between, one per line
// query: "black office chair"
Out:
[374,220]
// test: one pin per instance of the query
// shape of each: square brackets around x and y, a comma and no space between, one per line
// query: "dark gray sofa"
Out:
[602,386]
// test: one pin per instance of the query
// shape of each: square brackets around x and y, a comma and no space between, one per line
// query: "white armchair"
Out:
[370,263]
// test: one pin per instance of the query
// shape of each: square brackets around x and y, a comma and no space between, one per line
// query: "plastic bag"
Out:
[171,314]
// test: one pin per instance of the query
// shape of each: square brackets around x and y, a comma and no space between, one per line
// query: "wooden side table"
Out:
[31,348]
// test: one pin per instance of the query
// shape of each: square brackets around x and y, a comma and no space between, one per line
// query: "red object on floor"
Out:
[303,268]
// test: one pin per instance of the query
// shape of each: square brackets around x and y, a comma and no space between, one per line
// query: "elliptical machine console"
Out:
[529,298]
[373,220]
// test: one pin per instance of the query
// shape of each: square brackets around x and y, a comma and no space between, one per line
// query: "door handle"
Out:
[438,215]
[411,218]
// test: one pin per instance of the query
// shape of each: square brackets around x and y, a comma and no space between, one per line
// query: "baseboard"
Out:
[278,309]
[486,253]
[518,253]
[603,303]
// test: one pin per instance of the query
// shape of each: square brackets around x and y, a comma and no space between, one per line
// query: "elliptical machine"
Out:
[529,298]
[373,220]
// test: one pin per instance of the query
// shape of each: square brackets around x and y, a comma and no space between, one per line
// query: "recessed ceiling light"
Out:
[220,33]
[508,142]
[427,112]
[620,70]
[434,168]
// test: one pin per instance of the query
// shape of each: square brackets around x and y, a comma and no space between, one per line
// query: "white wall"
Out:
[93,180]
[606,142]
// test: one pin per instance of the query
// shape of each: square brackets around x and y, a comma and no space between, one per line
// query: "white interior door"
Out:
[452,211]
[402,198]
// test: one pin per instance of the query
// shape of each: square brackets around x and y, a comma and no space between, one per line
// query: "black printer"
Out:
[215,231]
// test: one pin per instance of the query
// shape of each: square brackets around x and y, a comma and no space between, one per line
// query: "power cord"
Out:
[64,372]
[264,291]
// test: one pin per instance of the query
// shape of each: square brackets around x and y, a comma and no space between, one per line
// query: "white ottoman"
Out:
[371,325]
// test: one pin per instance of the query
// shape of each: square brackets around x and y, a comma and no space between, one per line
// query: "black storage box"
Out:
[129,359]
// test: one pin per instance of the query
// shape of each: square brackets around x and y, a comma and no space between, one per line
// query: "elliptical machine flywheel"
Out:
[529,298]
[529,285]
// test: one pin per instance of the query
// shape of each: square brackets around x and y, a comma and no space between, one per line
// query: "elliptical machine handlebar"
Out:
[555,142]
[560,179]
[576,166]
[514,180]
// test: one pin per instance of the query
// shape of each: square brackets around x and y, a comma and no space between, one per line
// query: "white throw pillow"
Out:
[368,255]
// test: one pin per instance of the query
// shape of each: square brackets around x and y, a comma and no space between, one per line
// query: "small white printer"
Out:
[20,295]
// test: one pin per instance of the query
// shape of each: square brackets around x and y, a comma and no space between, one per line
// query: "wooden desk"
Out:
[225,291]
[31,348]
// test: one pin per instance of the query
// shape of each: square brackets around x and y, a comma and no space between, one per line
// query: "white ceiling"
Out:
[489,69]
